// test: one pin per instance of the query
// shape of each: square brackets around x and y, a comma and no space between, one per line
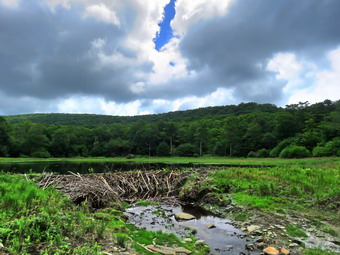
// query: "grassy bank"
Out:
[322,162]
[275,196]
[37,221]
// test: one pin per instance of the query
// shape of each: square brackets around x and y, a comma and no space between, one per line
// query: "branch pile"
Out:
[102,189]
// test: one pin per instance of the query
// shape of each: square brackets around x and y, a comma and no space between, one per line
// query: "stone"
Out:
[252,228]
[199,241]
[167,250]
[184,216]
[293,245]
[285,251]
[279,226]
[271,251]
[210,226]
[250,246]
[261,244]
[187,240]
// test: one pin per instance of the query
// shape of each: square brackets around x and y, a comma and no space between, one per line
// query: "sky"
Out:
[132,57]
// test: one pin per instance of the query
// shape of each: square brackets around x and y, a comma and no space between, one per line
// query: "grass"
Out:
[319,252]
[37,221]
[277,187]
[324,162]
[32,219]
[295,231]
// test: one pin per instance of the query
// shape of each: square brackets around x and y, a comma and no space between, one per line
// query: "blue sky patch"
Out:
[166,33]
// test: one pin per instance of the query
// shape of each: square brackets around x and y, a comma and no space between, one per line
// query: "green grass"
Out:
[319,252]
[37,221]
[282,186]
[295,231]
[146,203]
[325,162]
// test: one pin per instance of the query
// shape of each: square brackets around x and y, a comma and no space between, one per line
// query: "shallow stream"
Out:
[218,233]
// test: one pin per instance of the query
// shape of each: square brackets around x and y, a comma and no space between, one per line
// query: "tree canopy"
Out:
[248,129]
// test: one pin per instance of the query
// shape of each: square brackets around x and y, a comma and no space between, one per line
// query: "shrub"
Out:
[186,150]
[294,151]
[220,149]
[263,153]
[41,154]
[331,148]
[252,154]
[283,144]
[163,149]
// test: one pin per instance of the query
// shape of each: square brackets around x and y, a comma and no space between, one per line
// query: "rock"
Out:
[167,250]
[252,228]
[261,244]
[229,247]
[199,241]
[285,251]
[187,240]
[271,251]
[184,216]
[293,245]
[250,246]
[279,226]
[210,226]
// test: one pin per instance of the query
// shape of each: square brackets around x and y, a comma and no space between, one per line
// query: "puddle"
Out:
[223,238]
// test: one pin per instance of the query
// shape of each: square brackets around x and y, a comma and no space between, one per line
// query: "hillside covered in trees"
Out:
[248,129]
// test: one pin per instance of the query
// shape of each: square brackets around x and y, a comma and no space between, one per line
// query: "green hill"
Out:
[217,112]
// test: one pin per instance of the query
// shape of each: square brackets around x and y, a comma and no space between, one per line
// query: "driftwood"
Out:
[99,190]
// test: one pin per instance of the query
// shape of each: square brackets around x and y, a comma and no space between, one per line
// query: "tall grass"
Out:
[283,183]
[37,221]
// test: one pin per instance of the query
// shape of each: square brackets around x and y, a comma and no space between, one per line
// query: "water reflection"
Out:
[87,167]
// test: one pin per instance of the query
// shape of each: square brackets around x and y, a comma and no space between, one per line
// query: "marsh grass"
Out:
[277,187]
[295,231]
[37,221]
[327,162]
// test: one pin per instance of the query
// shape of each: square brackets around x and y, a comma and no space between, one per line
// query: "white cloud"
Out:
[10,3]
[288,68]
[103,13]
[325,86]
[163,71]
[87,104]
[221,96]
[138,87]
[188,12]
[286,65]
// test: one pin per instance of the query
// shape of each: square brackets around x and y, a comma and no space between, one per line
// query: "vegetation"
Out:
[272,189]
[295,231]
[37,221]
[257,130]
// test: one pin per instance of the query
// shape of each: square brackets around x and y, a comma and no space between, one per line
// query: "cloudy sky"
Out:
[128,57]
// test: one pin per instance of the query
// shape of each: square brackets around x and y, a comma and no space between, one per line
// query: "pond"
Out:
[64,167]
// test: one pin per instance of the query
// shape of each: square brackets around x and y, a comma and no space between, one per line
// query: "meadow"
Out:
[43,221]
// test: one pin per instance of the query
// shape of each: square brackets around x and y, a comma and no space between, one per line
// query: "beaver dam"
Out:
[257,229]
[99,190]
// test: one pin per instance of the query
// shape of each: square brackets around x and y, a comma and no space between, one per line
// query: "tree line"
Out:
[248,129]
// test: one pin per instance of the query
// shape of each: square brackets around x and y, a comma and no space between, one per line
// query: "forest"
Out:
[244,130]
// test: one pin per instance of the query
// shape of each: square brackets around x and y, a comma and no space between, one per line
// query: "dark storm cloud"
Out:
[234,49]
[47,55]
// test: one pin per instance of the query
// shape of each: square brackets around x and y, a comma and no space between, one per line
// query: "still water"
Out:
[222,238]
[88,167]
